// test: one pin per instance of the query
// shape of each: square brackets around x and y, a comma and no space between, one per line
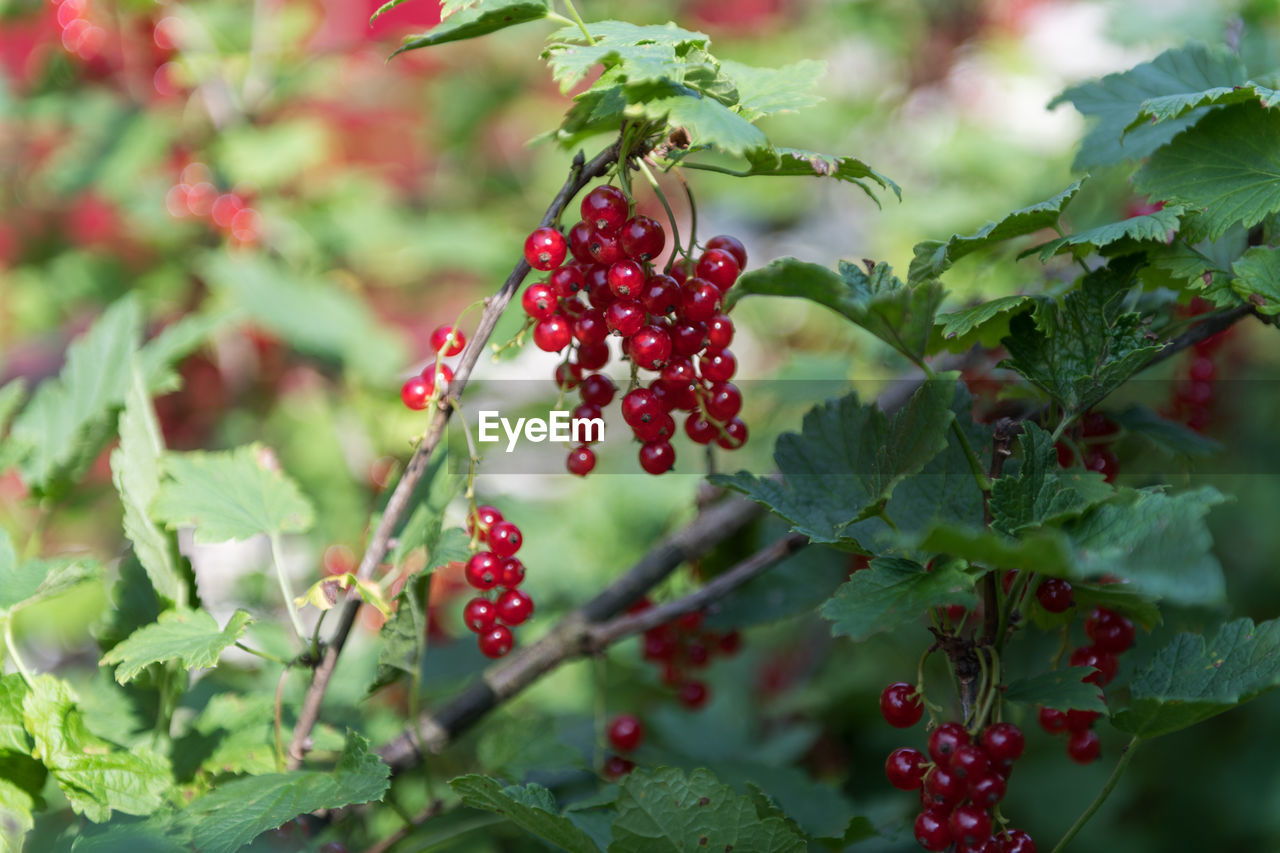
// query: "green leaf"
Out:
[1169,436]
[22,585]
[404,634]
[933,257]
[848,458]
[1257,279]
[1118,597]
[665,810]
[189,636]
[1191,679]
[1081,350]
[430,498]
[707,121]
[635,54]
[16,807]
[1116,100]
[1152,226]
[799,162]
[1040,493]
[1063,689]
[479,19]
[1225,166]
[95,776]
[1168,107]
[13,735]
[233,494]
[176,341]
[817,809]
[531,807]
[765,91]
[1035,550]
[12,394]
[893,592]
[985,323]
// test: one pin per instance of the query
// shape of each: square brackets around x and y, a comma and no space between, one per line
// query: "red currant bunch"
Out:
[681,645]
[417,391]
[497,574]
[194,195]
[1195,395]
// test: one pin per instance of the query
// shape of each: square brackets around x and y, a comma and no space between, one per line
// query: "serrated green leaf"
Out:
[24,584]
[1169,436]
[848,458]
[13,735]
[1036,550]
[1116,100]
[96,777]
[893,592]
[1168,107]
[665,810]
[933,257]
[1151,226]
[986,322]
[1063,689]
[799,162]
[1040,493]
[635,54]
[707,122]
[479,19]
[817,809]
[189,636]
[1191,679]
[531,807]
[765,91]
[233,494]
[1257,279]
[1225,166]
[404,634]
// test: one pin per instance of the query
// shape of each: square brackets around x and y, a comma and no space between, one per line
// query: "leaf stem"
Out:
[278,712]
[577,19]
[662,197]
[286,589]
[1126,755]
[7,622]
[264,655]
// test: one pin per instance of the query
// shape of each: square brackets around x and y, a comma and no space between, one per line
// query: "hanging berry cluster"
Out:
[497,573]
[681,645]
[1194,394]
[961,780]
[670,323]
[418,390]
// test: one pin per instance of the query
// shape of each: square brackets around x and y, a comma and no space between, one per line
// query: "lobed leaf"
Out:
[893,592]
[478,19]
[765,91]
[1154,227]
[1168,107]
[1040,493]
[1257,279]
[531,807]
[24,584]
[189,636]
[986,323]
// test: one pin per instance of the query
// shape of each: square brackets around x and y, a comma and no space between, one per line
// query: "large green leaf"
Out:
[1040,493]
[189,636]
[95,776]
[765,91]
[478,19]
[893,592]
[24,584]
[1064,689]
[1167,107]
[1116,101]
[934,257]
[636,54]
[1191,679]
[1257,278]
[1151,226]
[13,735]
[798,162]
[531,807]
[233,494]
[848,458]
[1226,166]
[707,121]
[985,323]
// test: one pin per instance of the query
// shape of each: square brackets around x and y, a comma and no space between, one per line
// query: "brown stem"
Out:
[1001,449]
[1207,328]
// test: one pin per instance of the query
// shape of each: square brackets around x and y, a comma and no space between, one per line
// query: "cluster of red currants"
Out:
[418,390]
[666,320]
[1194,395]
[960,781]
[681,645]
[487,571]
[196,196]
[1111,635]
[626,733]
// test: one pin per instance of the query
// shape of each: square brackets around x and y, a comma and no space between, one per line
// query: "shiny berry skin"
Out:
[1109,631]
[1002,742]
[657,457]
[679,371]
[942,788]
[605,208]
[986,845]
[900,705]
[1053,721]
[694,694]
[568,376]
[598,390]
[718,267]
[510,573]
[735,435]
[688,339]
[932,831]
[580,242]
[483,570]
[626,317]
[969,824]
[545,249]
[986,790]
[699,429]
[719,332]
[732,245]
[945,740]
[567,280]
[717,365]
[723,401]
[905,768]
[505,539]
[1102,460]
[539,301]
[604,248]
[485,517]
[699,300]
[626,279]
[642,238]
[1103,663]
[594,356]
[626,733]
[661,295]
[552,334]
[598,292]
[1084,747]
[514,607]
[640,405]
[676,395]
[615,767]
[650,348]
[416,393]
[1079,721]
[479,615]
[581,460]
[969,762]
[585,412]
[661,428]
[1016,841]
[448,340]
[1054,595]
[590,328]
[496,642]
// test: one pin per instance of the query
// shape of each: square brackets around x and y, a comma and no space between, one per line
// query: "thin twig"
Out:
[403,832]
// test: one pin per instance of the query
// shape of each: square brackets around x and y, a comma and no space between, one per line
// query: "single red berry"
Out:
[448,340]
[661,295]
[615,767]
[905,768]
[1080,721]
[496,642]
[718,267]
[1003,742]
[484,518]
[688,339]
[540,301]
[699,300]
[585,412]
[1016,841]
[224,209]
[932,832]
[969,762]
[568,375]
[605,208]
[900,705]
[1103,663]
[942,788]
[1054,595]
[660,643]
[505,539]
[1084,747]
[625,316]
[651,347]
[514,607]
[593,356]
[694,694]
[567,281]
[732,245]
[598,390]
[1066,456]
[986,790]
[730,643]
[416,393]
[483,570]
[598,292]
[604,248]
[625,733]
[679,371]
[581,460]
[511,573]
[545,249]
[735,435]
[723,401]
[1109,631]
[719,332]
[970,824]
[642,238]
[659,429]
[626,279]
[1102,460]
[701,430]
[1202,369]
[657,457]
[945,740]
[437,377]
[552,334]
[1053,721]
[697,654]
[479,615]
[717,365]
[640,405]
[580,242]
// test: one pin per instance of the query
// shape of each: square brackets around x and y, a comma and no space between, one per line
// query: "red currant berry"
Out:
[496,642]
[1079,721]
[568,375]
[448,340]
[661,295]
[593,356]
[626,317]
[701,430]
[1016,841]
[511,573]
[723,401]
[598,390]
[1109,631]
[505,539]
[657,457]
[970,824]
[688,339]
[1054,595]
[615,767]
[719,332]
[732,245]
[605,208]
[483,570]
[661,428]
[416,393]
[699,300]
[580,242]
[1084,747]
[1096,424]
[660,644]
[679,371]
[1003,742]
[676,395]
[942,788]
[642,238]
[651,347]
[552,334]
[730,643]
[718,267]
[581,460]
[514,607]
[640,405]
[625,733]
[1053,721]
[681,271]
[1202,369]
[540,301]
[735,435]
[626,279]
[986,790]
[900,705]
[604,248]
[590,328]
[694,694]
[945,740]
[566,281]
[969,762]
[932,832]
[697,654]
[598,292]
[479,615]
[1103,663]
[905,768]
[484,518]
[1102,460]
[585,412]
[545,249]
[717,365]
